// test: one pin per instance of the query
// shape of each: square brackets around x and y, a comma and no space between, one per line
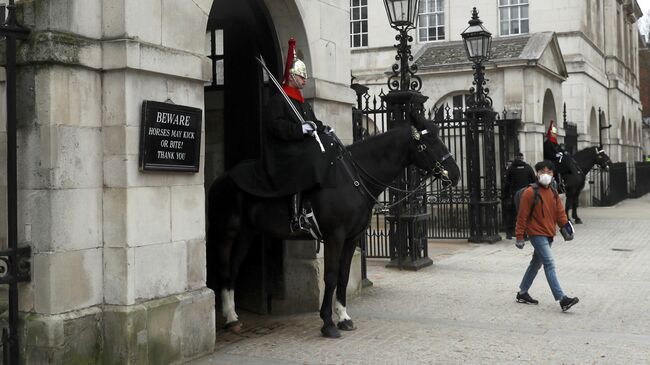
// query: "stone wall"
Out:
[118,267]
[118,254]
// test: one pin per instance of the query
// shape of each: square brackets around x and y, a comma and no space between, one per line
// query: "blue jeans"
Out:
[542,256]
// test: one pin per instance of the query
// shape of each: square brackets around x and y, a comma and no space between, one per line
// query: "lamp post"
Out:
[601,127]
[483,204]
[402,16]
[408,234]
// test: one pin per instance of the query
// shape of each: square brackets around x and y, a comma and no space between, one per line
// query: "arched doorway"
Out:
[238,32]
[549,112]
[593,127]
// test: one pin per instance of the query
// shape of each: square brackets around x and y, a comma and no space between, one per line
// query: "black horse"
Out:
[343,213]
[574,172]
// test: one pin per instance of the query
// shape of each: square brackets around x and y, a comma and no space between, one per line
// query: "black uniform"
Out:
[517,176]
[293,160]
[551,150]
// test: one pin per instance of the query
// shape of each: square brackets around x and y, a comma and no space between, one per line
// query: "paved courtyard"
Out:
[462,309]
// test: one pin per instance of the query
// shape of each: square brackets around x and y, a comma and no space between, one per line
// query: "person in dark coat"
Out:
[518,175]
[292,156]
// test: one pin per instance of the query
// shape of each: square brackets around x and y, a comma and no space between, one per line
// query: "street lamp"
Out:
[402,16]
[407,218]
[481,163]
[478,45]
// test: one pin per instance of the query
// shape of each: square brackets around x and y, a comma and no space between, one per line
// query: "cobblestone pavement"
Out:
[462,309]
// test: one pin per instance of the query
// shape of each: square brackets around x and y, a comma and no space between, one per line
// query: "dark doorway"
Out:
[238,32]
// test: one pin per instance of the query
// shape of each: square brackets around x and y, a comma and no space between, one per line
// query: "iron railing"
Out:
[14,260]
[447,215]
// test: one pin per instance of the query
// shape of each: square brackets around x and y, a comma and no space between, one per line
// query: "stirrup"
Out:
[314,229]
[300,224]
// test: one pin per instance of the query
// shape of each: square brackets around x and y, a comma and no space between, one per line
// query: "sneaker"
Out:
[526,299]
[568,302]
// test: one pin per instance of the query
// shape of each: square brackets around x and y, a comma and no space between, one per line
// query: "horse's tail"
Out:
[224,216]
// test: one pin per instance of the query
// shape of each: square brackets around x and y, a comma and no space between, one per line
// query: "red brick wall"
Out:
[644,80]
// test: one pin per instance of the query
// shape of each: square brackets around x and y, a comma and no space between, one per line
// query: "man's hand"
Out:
[308,127]
[520,244]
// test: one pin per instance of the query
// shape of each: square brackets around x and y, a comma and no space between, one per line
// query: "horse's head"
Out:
[601,158]
[430,153]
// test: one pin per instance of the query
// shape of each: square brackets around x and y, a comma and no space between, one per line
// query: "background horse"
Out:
[574,177]
[235,218]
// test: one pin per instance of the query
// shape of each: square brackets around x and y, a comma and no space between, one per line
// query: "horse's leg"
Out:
[332,259]
[238,253]
[345,322]
[576,202]
[569,202]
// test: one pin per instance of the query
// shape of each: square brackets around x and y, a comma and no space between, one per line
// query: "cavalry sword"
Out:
[286,98]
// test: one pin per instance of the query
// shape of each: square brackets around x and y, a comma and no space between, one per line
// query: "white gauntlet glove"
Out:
[308,127]
[520,244]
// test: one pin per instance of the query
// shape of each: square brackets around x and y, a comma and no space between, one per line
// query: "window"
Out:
[454,105]
[513,15]
[214,50]
[431,20]
[358,23]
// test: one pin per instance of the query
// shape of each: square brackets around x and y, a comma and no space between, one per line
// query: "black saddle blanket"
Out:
[251,177]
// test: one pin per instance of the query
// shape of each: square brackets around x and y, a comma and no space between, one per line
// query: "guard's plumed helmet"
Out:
[294,65]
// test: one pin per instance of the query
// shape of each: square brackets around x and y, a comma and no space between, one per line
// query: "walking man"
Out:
[518,175]
[540,210]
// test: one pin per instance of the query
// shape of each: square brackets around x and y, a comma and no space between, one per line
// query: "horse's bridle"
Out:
[437,171]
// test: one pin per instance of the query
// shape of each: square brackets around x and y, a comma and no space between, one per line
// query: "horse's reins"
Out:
[359,183]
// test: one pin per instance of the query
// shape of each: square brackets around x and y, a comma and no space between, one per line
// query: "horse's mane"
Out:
[380,138]
[583,158]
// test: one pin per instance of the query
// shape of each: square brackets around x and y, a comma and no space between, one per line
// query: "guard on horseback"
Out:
[293,155]
[555,152]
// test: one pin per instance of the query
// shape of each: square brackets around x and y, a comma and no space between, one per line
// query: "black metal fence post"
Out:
[407,238]
[13,258]
[483,206]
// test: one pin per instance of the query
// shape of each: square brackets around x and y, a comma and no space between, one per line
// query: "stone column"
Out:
[157,306]
[118,268]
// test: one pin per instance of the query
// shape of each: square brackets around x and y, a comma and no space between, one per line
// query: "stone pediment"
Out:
[544,49]
[538,48]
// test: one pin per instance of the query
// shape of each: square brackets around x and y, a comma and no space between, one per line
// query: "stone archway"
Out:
[549,112]
[235,101]
[593,126]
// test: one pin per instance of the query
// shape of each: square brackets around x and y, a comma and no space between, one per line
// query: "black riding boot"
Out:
[298,221]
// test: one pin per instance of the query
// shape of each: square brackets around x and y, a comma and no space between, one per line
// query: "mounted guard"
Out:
[563,161]
[299,152]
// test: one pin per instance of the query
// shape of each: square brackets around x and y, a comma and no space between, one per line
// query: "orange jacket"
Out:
[548,212]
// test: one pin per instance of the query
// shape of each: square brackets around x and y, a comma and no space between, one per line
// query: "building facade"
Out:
[545,54]
[118,260]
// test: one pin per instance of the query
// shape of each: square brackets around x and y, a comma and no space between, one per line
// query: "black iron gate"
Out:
[14,261]
[609,187]
[446,214]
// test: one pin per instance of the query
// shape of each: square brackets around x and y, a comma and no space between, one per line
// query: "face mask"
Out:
[545,179]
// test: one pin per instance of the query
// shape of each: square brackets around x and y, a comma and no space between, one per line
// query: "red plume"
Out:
[549,133]
[289,64]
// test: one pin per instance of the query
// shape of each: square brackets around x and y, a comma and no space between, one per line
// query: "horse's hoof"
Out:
[578,221]
[330,332]
[346,325]
[233,327]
